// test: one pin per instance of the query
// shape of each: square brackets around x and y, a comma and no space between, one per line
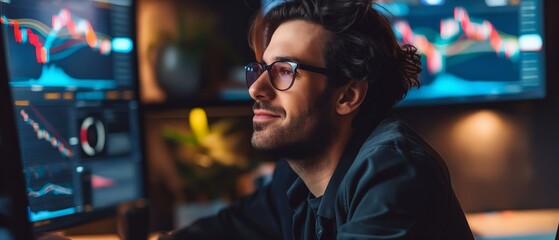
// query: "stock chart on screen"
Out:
[472,50]
[72,74]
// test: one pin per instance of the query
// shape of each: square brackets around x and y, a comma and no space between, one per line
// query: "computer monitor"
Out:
[72,71]
[472,50]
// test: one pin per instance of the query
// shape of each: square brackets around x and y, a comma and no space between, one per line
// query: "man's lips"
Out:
[263,115]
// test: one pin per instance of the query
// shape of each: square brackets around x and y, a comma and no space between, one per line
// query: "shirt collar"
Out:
[328,202]
[298,192]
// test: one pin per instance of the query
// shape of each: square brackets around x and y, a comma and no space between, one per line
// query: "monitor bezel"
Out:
[12,168]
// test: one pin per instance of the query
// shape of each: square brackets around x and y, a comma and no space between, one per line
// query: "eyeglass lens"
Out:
[281,74]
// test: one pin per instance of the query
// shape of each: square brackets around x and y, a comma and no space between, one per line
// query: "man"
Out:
[329,71]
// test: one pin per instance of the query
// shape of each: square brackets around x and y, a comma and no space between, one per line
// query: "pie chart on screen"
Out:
[92,136]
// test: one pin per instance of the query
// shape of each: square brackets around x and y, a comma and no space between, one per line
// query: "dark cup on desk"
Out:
[133,221]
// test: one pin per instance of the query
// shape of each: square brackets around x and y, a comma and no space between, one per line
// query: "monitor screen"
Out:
[72,73]
[472,50]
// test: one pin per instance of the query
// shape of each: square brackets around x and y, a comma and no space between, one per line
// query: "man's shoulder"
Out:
[393,144]
[390,129]
[397,175]
[394,157]
[394,134]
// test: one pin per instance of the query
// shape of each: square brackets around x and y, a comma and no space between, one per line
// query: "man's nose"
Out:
[262,88]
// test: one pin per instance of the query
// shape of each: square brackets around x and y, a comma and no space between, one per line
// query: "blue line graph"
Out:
[55,189]
[52,76]
[42,215]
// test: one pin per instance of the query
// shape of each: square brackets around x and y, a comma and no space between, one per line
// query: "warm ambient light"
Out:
[490,152]
[199,123]
[484,138]
[484,126]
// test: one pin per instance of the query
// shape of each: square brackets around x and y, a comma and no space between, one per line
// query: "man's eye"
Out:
[286,71]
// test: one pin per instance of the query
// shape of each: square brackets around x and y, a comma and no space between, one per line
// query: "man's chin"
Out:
[259,140]
[260,126]
[262,140]
[267,149]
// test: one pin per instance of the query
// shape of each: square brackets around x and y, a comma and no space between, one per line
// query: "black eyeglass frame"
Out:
[294,65]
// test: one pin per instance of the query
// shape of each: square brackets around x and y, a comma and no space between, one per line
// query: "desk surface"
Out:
[507,224]
[105,237]
[517,225]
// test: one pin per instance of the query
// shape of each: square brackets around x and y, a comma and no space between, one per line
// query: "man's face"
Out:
[295,123]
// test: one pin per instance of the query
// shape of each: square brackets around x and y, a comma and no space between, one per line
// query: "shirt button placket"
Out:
[318,228]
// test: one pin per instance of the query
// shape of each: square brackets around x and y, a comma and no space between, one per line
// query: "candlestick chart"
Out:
[55,44]
[45,133]
[472,52]
[458,36]
[50,136]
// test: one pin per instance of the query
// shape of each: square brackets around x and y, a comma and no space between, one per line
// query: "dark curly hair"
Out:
[361,46]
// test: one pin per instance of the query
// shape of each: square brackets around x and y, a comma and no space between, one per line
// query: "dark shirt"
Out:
[388,185]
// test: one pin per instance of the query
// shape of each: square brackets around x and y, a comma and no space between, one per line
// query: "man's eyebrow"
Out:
[283,59]
[289,59]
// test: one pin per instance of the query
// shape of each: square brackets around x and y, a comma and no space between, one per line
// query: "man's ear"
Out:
[351,96]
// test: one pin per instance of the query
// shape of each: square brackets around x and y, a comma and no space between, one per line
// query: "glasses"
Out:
[280,73]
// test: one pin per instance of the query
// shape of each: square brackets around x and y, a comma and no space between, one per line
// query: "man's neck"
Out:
[316,176]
